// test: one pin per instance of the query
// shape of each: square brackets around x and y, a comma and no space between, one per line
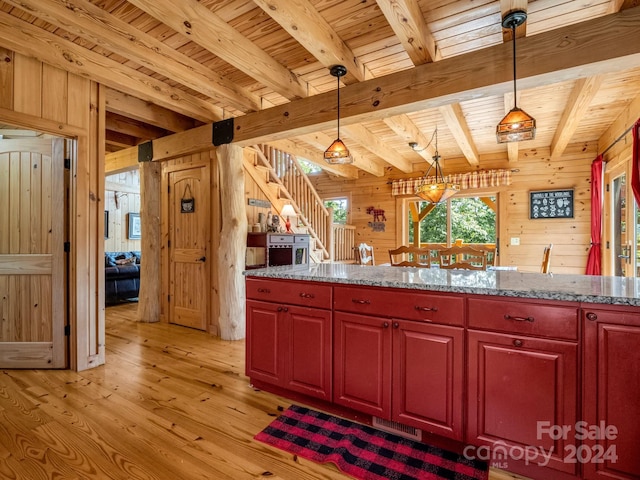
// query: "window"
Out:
[340,209]
[470,219]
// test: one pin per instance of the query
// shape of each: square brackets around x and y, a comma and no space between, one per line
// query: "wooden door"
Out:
[32,281]
[611,399]
[189,238]
[362,363]
[428,377]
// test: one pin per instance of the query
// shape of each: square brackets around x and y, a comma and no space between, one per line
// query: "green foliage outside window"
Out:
[339,209]
[471,220]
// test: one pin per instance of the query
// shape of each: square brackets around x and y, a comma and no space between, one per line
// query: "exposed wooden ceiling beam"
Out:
[202,26]
[94,24]
[311,30]
[315,157]
[120,140]
[626,119]
[581,96]
[605,44]
[133,128]
[372,143]
[456,122]
[409,25]
[146,112]
[121,161]
[32,41]
[321,141]
[405,128]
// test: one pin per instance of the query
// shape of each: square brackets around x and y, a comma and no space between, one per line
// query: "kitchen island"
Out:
[513,366]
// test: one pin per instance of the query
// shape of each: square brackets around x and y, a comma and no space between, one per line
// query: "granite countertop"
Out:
[577,288]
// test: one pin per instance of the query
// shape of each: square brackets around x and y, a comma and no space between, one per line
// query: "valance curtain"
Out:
[593,259]
[478,179]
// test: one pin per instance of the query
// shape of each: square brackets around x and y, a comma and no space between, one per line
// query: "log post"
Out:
[150,285]
[233,242]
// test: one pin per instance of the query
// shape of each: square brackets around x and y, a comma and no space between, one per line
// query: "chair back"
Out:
[410,256]
[465,257]
[546,259]
[364,254]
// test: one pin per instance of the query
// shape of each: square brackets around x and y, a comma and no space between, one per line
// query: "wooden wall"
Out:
[533,171]
[42,98]
[251,190]
[121,197]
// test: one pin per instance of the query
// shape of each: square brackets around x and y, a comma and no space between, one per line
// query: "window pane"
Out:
[339,206]
[472,220]
[433,228]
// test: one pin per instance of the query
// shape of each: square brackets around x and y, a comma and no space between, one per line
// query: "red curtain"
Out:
[593,260]
[635,167]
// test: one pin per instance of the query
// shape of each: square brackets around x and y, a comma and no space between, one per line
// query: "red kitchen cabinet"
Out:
[407,371]
[289,345]
[611,397]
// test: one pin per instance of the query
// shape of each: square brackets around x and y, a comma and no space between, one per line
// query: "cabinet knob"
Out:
[307,295]
[518,343]
[426,309]
[396,325]
[385,325]
[264,290]
[286,309]
[592,316]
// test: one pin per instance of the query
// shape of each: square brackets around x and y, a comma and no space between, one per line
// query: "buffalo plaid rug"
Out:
[364,452]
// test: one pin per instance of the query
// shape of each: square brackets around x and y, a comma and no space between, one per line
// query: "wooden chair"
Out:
[465,257]
[546,259]
[364,254]
[410,256]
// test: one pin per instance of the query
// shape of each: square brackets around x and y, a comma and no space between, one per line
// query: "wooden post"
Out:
[233,241]
[150,207]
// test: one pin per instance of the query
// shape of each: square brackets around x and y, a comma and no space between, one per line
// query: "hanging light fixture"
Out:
[517,125]
[436,191]
[338,152]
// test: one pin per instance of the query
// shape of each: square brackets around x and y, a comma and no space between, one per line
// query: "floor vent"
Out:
[397,429]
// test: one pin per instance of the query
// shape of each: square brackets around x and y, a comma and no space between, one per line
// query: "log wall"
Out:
[121,197]
[533,171]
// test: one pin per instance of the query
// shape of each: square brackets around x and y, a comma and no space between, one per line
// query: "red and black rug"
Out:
[364,452]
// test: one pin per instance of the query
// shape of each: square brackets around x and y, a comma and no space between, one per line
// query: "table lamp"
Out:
[287,212]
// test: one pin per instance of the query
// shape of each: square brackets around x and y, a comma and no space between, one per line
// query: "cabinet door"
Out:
[515,382]
[428,377]
[611,397]
[265,331]
[362,363]
[308,365]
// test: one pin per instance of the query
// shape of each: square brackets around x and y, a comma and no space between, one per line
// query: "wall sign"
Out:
[551,204]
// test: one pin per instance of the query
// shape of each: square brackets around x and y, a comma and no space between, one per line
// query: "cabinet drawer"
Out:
[307,294]
[529,318]
[426,307]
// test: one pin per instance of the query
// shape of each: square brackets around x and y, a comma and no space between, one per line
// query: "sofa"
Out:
[122,276]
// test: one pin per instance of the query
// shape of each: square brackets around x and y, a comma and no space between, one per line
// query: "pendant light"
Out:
[517,125]
[338,153]
[438,191]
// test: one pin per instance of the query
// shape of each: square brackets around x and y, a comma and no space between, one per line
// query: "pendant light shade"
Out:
[517,125]
[338,153]
[437,191]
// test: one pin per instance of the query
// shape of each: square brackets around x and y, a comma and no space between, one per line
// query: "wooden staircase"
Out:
[282,180]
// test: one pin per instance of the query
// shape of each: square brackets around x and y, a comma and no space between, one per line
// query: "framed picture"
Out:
[551,204]
[135,230]
[106,224]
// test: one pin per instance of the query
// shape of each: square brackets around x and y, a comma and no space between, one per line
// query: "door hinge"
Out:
[168,188]
[67,164]
[169,298]
[607,187]
[67,247]
[67,330]
[168,243]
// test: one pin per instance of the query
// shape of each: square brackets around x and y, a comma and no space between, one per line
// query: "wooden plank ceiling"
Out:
[173,65]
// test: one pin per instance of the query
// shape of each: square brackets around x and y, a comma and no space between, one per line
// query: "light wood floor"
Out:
[170,403]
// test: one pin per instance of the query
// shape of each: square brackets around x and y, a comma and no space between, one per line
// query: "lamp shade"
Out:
[338,153]
[437,192]
[288,211]
[516,126]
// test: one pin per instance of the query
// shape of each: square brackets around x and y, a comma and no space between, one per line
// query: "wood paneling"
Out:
[535,171]
[121,197]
